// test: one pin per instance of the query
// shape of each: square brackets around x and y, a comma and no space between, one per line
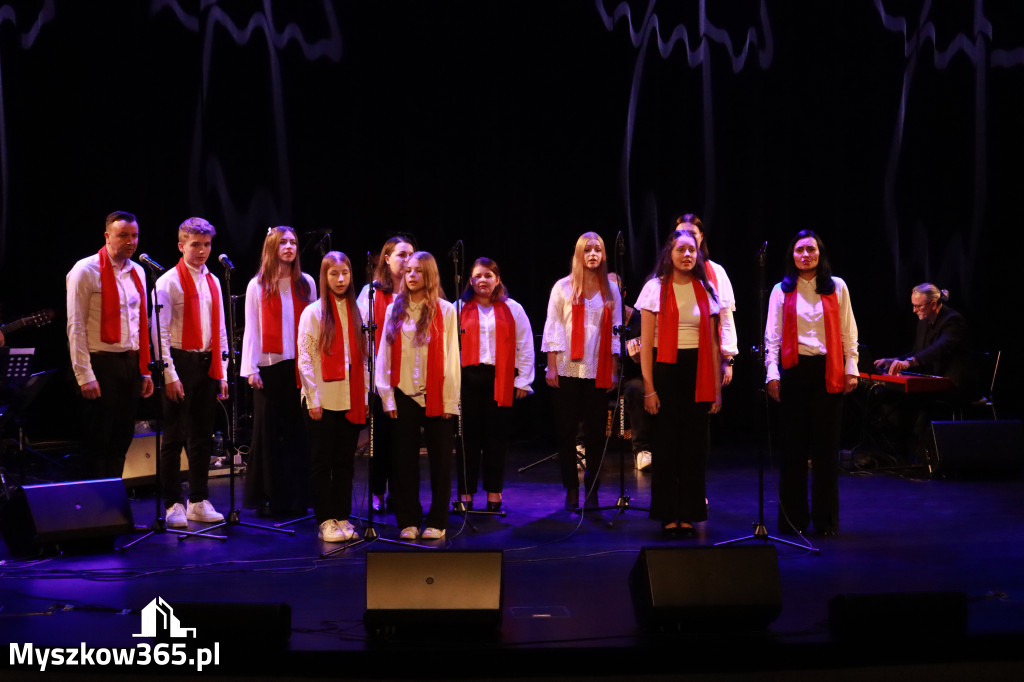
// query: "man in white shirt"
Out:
[110,366]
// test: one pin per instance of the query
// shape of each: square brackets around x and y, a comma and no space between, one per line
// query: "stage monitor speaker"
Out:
[707,588]
[71,515]
[425,588]
[901,616]
[977,446]
[140,462]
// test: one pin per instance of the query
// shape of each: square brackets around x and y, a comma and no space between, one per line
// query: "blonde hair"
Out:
[195,225]
[270,264]
[400,306]
[579,268]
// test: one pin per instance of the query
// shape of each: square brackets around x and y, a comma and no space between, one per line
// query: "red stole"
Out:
[332,365]
[381,301]
[604,341]
[271,334]
[435,363]
[110,309]
[834,381]
[192,325]
[668,337]
[505,347]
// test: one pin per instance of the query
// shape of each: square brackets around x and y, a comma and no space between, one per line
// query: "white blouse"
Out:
[253,356]
[330,395]
[414,361]
[810,325]
[524,342]
[688,335]
[558,329]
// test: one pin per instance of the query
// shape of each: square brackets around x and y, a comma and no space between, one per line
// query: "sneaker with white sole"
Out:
[204,512]
[643,460]
[409,533]
[176,516]
[331,531]
[433,533]
[346,529]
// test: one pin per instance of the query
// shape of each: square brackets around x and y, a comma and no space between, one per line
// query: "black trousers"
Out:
[109,421]
[439,435]
[680,442]
[189,424]
[278,471]
[811,423]
[576,401]
[639,420]
[333,441]
[485,433]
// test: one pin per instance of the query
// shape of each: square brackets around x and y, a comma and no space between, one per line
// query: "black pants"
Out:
[811,423]
[278,471]
[333,441]
[189,424]
[680,442]
[485,433]
[438,433]
[579,400]
[109,421]
[639,420]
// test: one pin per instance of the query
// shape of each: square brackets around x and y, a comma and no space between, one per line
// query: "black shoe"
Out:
[494,506]
[670,531]
[686,532]
[572,499]
[828,532]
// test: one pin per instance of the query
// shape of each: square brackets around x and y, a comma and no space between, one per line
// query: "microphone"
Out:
[453,252]
[620,244]
[146,260]
[225,261]
[761,251]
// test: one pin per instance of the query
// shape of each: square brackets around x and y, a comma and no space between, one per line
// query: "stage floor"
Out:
[567,609]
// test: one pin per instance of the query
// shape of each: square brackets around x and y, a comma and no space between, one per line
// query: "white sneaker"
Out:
[203,511]
[643,460]
[332,531]
[433,533]
[346,530]
[409,533]
[176,516]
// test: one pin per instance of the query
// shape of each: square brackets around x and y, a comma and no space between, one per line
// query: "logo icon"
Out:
[158,619]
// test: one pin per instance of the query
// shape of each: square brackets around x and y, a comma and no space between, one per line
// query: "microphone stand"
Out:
[233,517]
[370,533]
[621,505]
[758,352]
[156,370]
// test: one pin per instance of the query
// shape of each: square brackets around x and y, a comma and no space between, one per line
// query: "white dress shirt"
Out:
[558,329]
[85,304]
[253,356]
[727,299]
[414,361]
[688,334]
[330,395]
[810,325]
[524,342]
[170,295]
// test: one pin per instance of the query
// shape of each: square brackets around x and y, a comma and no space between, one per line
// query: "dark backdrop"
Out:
[892,128]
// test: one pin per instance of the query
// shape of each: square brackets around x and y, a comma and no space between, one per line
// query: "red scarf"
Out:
[604,341]
[505,347]
[192,325]
[834,381]
[332,365]
[668,337]
[381,301]
[435,363]
[272,334]
[110,309]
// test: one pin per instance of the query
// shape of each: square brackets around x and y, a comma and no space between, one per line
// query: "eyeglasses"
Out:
[915,307]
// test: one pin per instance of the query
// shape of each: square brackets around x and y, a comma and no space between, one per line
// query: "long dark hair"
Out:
[825,285]
[663,270]
[500,292]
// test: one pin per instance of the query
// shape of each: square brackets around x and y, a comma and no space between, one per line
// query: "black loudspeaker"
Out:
[977,446]
[72,515]
[901,616]
[435,589]
[707,588]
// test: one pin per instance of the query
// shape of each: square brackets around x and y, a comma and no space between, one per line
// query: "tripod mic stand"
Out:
[758,352]
[156,369]
[622,505]
[233,517]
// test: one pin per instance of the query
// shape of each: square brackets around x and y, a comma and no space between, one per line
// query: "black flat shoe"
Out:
[686,532]
[494,506]
[670,531]
[828,532]
[572,499]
